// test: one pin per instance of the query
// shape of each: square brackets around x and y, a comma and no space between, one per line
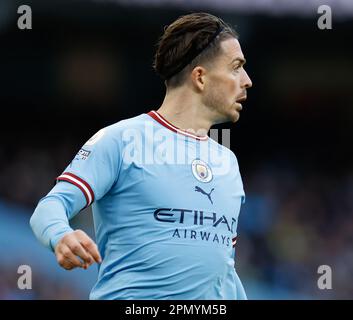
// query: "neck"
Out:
[183,109]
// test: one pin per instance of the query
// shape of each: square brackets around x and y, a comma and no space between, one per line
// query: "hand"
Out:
[76,249]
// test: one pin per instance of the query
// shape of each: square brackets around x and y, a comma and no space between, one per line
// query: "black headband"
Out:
[192,54]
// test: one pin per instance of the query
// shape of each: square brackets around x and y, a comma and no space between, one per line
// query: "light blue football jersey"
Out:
[165,205]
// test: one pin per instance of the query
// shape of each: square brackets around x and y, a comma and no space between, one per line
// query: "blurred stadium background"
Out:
[87,64]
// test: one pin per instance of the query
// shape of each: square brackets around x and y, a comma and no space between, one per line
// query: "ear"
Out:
[198,77]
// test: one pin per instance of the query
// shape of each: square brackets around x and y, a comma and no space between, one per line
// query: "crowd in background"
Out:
[293,223]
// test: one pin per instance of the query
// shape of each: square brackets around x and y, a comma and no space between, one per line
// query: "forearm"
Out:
[50,220]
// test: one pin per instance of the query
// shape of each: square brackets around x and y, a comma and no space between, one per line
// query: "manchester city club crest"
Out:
[201,171]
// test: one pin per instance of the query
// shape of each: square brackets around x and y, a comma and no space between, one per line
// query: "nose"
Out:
[246,83]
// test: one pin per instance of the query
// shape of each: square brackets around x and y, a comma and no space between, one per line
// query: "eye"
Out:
[236,69]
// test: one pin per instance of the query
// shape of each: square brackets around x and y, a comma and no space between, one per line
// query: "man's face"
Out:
[226,82]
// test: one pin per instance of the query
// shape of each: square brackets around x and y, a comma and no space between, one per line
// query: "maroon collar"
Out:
[164,122]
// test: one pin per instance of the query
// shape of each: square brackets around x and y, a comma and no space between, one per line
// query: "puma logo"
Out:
[198,189]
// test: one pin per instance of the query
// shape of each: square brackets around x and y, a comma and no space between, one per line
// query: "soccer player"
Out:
[165,196]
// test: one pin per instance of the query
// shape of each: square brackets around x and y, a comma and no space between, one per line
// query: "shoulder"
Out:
[131,123]
[114,133]
[224,151]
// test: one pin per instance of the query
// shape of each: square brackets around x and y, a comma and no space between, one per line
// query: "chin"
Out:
[234,116]
[231,115]
[236,119]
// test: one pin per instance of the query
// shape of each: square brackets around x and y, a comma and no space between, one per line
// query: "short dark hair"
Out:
[187,34]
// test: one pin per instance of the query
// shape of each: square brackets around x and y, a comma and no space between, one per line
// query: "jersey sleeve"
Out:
[50,219]
[95,168]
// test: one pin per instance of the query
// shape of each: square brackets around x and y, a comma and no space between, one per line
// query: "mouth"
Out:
[239,102]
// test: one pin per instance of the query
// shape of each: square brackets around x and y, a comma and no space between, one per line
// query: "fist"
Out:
[76,250]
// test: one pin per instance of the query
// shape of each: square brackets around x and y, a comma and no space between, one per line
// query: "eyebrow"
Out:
[241,60]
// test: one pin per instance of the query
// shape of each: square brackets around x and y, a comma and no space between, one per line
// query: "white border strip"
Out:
[74,180]
[178,130]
